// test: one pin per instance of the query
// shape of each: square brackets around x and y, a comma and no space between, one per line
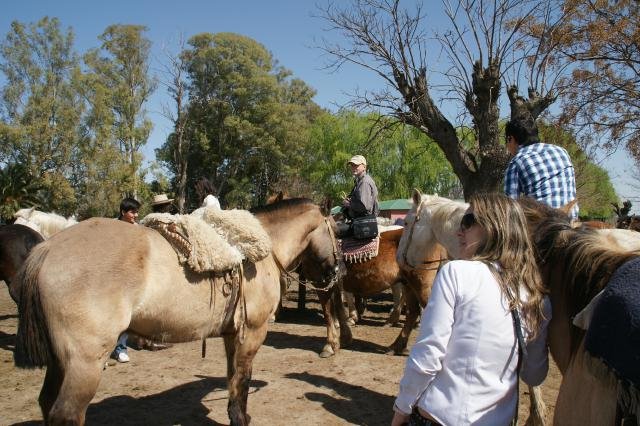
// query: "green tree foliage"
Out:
[248,119]
[120,84]
[399,160]
[40,107]
[595,191]
[17,190]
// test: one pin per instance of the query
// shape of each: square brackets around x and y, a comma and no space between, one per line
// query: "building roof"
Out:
[399,204]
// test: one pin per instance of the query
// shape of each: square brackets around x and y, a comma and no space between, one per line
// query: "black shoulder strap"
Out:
[522,352]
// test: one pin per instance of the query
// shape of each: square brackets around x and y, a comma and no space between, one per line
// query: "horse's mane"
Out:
[288,204]
[590,257]
[579,261]
[48,223]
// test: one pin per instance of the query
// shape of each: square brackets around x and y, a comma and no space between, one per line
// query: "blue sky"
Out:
[286,27]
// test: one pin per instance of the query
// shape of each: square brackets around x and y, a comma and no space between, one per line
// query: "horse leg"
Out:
[361,305]
[346,338]
[398,301]
[80,379]
[239,367]
[331,347]
[399,346]
[50,388]
[349,299]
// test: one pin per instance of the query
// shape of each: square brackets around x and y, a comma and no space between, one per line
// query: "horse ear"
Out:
[567,207]
[417,197]
[325,206]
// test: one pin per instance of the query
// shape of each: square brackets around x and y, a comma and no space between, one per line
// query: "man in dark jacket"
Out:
[363,199]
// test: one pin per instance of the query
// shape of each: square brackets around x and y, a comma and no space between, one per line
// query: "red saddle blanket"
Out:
[357,251]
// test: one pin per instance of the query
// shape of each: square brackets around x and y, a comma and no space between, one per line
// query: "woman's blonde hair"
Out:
[509,245]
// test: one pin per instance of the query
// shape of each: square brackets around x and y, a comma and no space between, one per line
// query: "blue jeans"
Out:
[121,346]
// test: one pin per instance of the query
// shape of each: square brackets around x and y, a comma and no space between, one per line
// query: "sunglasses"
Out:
[467,221]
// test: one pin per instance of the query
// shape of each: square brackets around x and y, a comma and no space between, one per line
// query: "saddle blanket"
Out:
[613,335]
[357,251]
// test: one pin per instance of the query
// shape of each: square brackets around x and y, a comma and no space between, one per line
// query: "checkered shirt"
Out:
[544,172]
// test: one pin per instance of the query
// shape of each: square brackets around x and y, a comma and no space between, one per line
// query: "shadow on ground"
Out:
[359,405]
[179,405]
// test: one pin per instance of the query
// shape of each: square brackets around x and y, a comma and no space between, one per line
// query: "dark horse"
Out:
[16,241]
[90,282]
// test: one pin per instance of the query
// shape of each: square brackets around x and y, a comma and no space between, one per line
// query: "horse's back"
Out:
[94,267]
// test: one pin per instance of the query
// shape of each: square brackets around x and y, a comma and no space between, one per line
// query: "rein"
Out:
[422,266]
[310,284]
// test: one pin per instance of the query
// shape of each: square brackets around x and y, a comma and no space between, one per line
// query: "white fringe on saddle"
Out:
[213,240]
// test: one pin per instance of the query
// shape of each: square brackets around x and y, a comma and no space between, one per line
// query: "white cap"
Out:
[357,160]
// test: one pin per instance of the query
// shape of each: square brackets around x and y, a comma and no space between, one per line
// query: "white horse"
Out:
[46,224]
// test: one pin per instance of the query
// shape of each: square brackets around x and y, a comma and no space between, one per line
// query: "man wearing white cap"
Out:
[363,199]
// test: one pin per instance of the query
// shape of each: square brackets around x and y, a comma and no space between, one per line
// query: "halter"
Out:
[422,266]
[310,284]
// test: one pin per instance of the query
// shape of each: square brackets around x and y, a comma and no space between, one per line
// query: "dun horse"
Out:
[89,283]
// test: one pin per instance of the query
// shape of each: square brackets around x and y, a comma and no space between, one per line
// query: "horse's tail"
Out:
[33,343]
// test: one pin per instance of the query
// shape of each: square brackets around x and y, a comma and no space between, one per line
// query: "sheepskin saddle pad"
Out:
[613,335]
[358,251]
[213,239]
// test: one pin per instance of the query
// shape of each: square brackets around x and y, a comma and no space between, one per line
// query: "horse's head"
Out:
[322,260]
[432,219]
[24,213]
[305,233]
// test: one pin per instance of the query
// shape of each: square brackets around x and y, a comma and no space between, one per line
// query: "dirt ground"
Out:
[290,385]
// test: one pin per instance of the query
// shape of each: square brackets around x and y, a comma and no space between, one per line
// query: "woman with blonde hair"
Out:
[464,367]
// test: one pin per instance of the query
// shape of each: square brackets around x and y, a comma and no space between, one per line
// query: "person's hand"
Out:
[399,419]
[346,202]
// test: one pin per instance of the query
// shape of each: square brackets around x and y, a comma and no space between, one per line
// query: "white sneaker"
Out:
[122,357]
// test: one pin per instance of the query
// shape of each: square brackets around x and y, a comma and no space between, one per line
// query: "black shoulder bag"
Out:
[365,227]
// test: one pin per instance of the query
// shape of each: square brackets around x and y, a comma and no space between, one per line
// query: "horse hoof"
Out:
[327,352]
[397,352]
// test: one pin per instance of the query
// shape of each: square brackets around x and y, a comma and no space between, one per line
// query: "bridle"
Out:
[335,278]
[424,265]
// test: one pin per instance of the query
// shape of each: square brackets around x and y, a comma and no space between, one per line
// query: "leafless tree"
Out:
[174,80]
[482,49]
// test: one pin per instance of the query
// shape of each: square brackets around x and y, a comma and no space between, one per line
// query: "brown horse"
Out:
[576,264]
[16,241]
[362,279]
[89,283]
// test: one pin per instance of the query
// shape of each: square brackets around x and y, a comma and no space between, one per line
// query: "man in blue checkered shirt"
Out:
[538,170]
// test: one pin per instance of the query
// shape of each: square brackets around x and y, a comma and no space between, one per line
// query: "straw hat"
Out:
[161,199]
